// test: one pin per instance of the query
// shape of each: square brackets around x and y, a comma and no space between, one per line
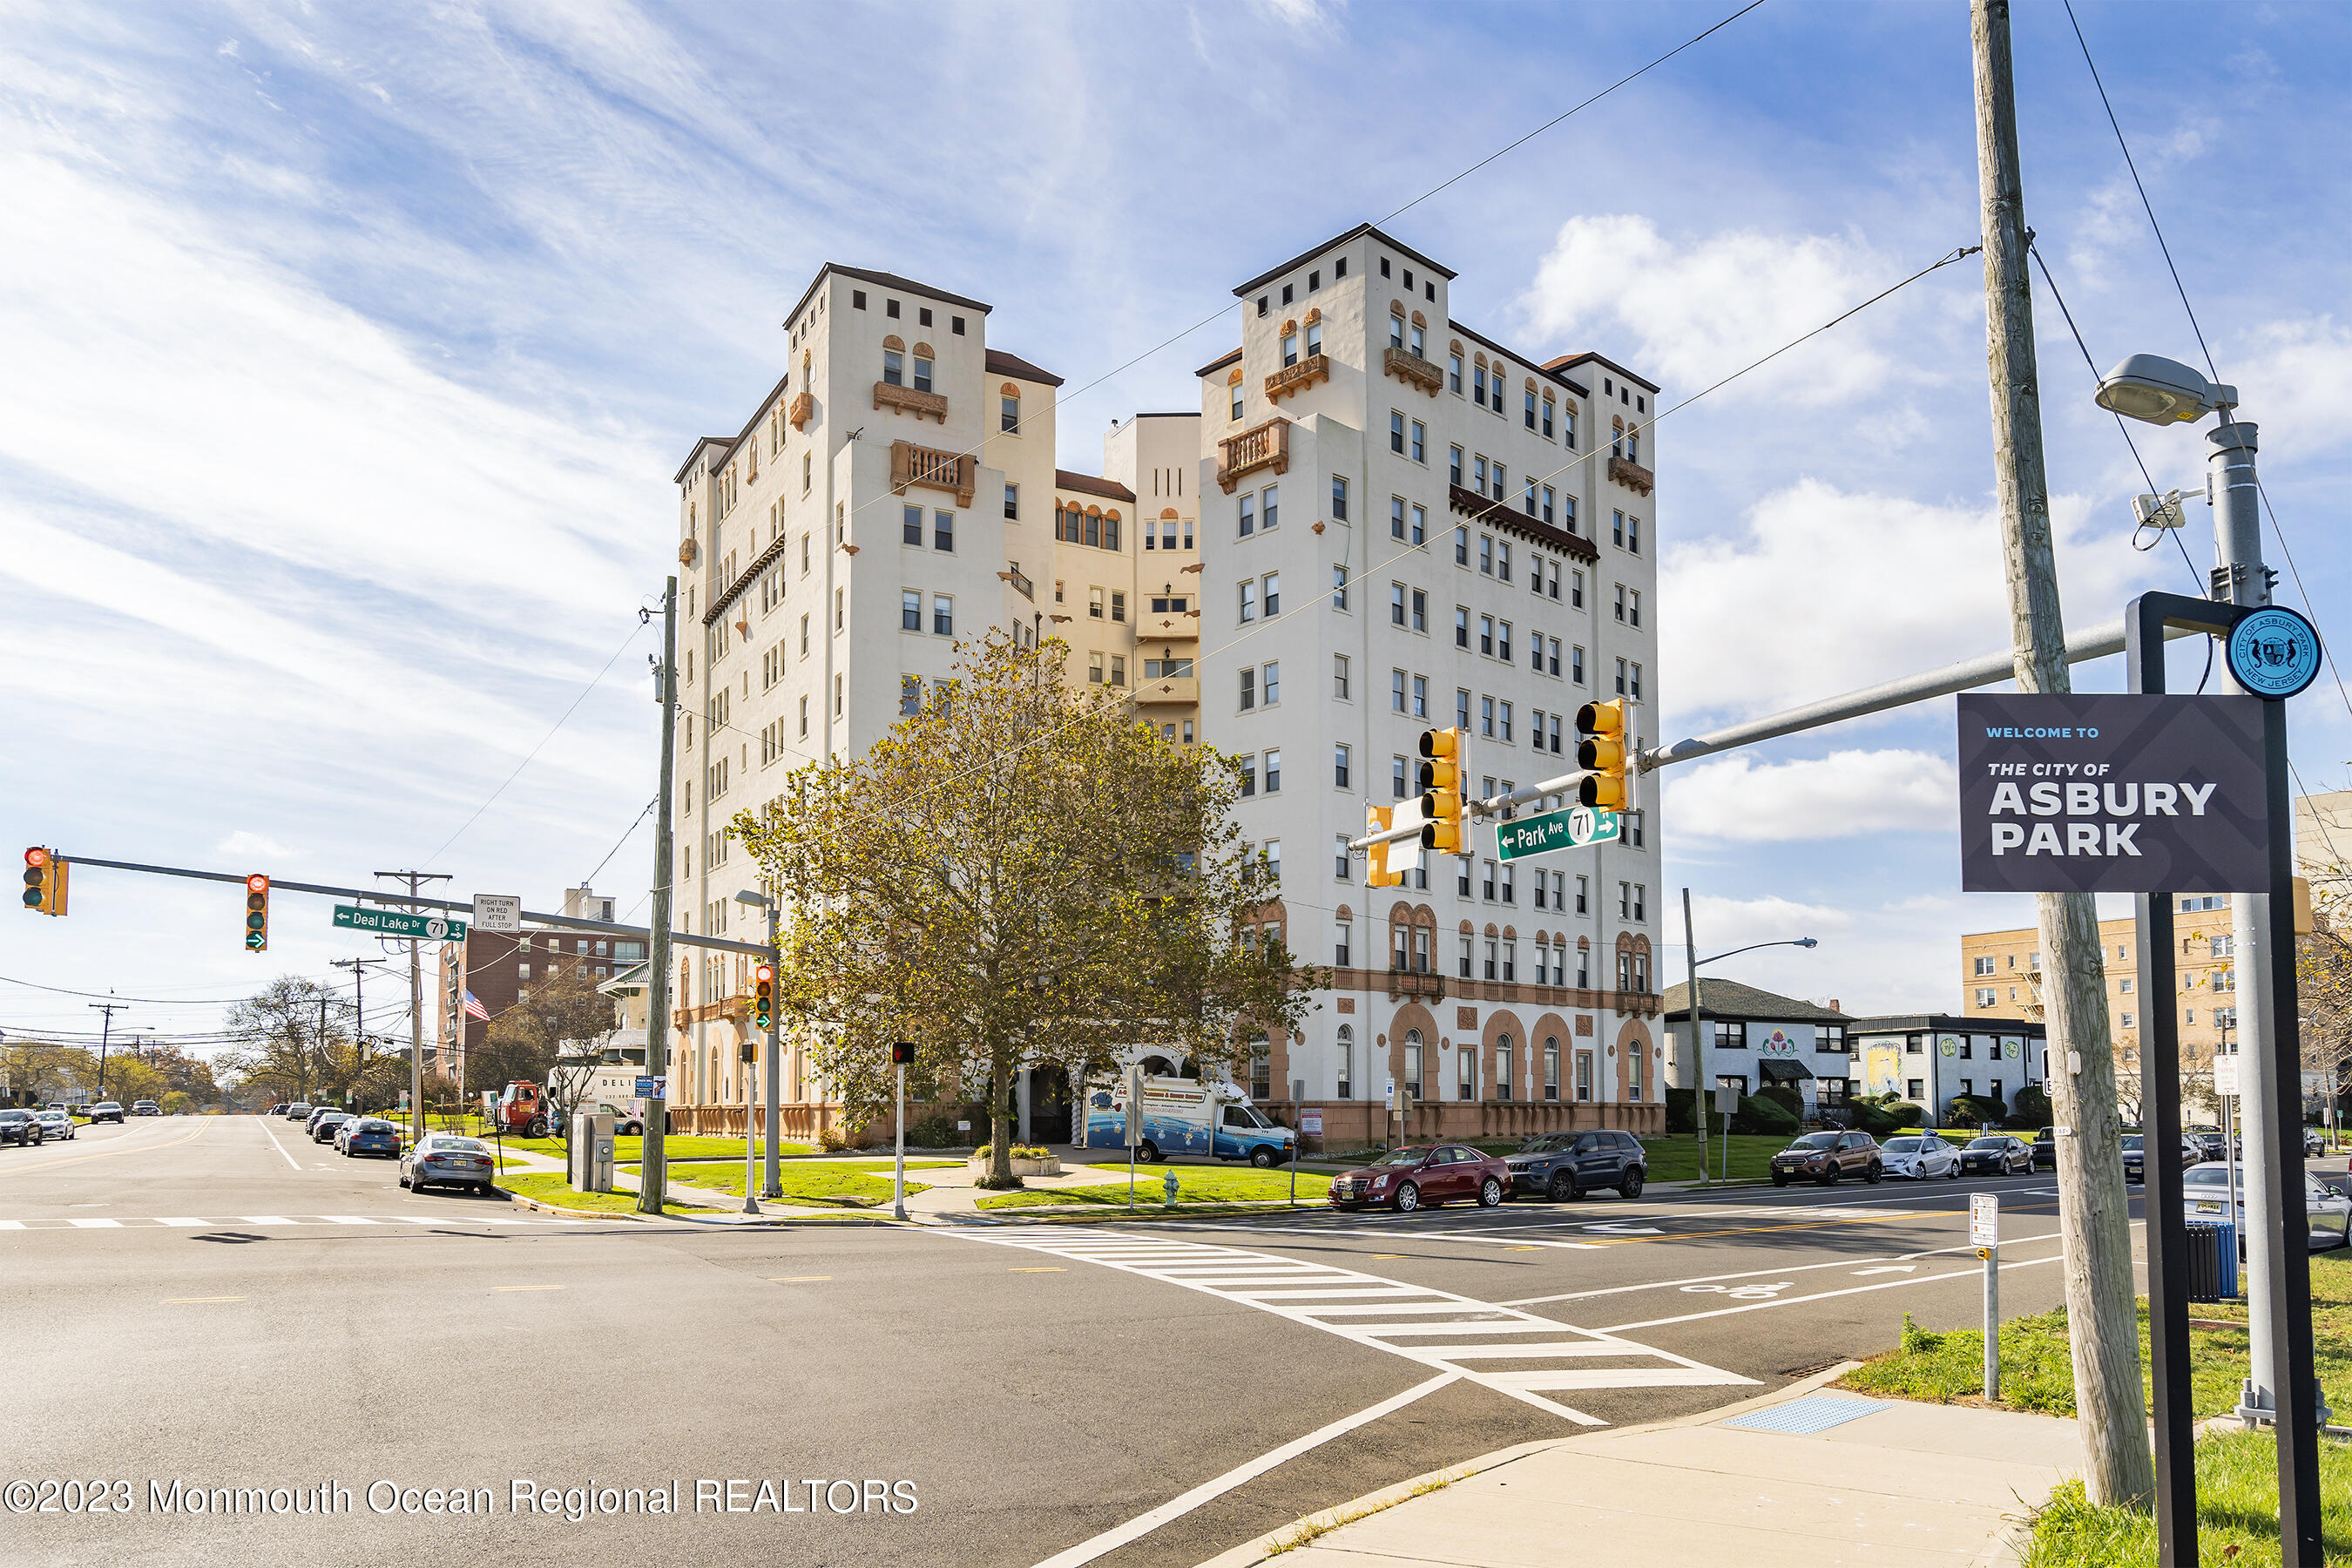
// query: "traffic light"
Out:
[1607,750]
[45,881]
[1446,816]
[902,1053]
[257,912]
[1378,819]
[763,996]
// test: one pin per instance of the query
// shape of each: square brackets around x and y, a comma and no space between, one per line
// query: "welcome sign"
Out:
[2112,794]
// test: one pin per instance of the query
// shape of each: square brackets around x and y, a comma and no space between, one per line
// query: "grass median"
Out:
[553,1187]
[1194,1184]
[2237,1480]
[837,1183]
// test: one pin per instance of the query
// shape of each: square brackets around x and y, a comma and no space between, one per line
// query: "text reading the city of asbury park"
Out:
[2107,793]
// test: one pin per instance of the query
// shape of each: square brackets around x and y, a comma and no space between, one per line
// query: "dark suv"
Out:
[2045,1148]
[1565,1166]
[1827,1156]
[18,1127]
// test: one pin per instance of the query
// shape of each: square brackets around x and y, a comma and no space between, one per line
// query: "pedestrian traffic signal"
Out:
[45,881]
[1379,819]
[1606,750]
[257,912]
[763,996]
[1446,817]
[902,1053]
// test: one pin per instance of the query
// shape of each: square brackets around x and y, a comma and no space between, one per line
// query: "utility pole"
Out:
[1701,1091]
[358,966]
[652,1175]
[105,1032]
[2094,1218]
[417,1009]
[773,1187]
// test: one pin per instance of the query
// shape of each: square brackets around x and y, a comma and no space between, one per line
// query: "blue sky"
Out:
[350,351]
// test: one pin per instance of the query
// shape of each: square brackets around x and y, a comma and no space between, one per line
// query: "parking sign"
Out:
[1984,1219]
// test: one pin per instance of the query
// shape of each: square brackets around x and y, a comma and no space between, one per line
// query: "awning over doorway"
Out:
[1782,1072]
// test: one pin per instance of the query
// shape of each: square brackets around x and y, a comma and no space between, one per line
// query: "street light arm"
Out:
[1792,941]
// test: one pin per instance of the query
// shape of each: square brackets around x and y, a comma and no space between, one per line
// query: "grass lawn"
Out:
[2237,1505]
[2037,1369]
[1675,1159]
[629,1150]
[554,1188]
[1194,1184]
[813,1181]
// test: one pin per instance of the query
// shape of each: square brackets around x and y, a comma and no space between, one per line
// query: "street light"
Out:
[1699,1085]
[773,1187]
[2160,391]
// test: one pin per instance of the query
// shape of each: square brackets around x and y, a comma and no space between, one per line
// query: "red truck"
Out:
[521,1110]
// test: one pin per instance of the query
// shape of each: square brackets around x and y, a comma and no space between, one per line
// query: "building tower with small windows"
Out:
[1407,525]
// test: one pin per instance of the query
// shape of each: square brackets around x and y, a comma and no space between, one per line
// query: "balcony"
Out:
[1185,627]
[1265,445]
[1499,513]
[1298,377]
[1631,475]
[908,400]
[1404,983]
[956,472]
[1181,690]
[1413,370]
[802,408]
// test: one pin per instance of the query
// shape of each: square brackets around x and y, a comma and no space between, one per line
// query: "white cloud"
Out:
[2295,378]
[1898,957]
[1699,309]
[244,846]
[1841,796]
[1829,591]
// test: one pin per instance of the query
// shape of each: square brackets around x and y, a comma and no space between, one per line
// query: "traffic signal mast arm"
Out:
[1493,806]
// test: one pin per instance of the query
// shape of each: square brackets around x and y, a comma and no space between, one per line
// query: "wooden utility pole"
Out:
[2094,1217]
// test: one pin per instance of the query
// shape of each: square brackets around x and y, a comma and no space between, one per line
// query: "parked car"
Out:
[56,1123]
[1997,1155]
[276,1110]
[1423,1176]
[19,1127]
[1827,1156]
[368,1136]
[1921,1157]
[446,1160]
[145,1107]
[106,1110]
[310,1122]
[2313,1143]
[2045,1148]
[1564,1166]
[298,1111]
[323,1125]
[2205,1193]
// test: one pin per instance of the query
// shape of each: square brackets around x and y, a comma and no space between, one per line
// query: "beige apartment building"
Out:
[2000,977]
[1467,538]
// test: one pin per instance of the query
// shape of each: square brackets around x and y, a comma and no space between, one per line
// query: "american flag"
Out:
[474,1008]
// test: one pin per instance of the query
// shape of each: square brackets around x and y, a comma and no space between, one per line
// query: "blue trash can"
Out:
[2225,1243]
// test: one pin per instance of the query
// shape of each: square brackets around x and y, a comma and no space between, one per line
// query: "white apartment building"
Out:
[1413,526]
[892,494]
[1465,535]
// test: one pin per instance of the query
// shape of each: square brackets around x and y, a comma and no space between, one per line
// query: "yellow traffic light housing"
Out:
[45,881]
[763,996]
[1379,819]
[1445,818]
[1607,750]
[257,913]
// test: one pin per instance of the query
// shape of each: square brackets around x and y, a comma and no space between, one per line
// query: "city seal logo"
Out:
[2273,653]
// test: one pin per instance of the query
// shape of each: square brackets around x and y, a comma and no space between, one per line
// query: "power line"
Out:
[590,878]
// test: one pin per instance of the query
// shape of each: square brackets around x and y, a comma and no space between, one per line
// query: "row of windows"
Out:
[1073,525]
[890,309]
[910,614]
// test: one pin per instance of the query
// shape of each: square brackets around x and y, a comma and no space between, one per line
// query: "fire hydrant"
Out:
[1168,1185]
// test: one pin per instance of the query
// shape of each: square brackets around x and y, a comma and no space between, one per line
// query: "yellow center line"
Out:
[526,1287]
[100,1154]
[197,1301]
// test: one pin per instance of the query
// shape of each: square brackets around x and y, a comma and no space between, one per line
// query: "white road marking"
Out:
[1747,1274]
[274,1143]
[1365,1307]
[1143,1524]
[95,1224]
[1624,1230]
[1819,1296]
[1885,1268]
[191,1221]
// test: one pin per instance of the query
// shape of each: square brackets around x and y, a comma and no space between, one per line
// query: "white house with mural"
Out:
[1754,1039]
[1930,1058]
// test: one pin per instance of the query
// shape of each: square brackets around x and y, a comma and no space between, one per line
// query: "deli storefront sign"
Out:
[2112,794]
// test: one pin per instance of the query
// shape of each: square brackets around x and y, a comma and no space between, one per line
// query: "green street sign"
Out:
[1571,829]
[394,922]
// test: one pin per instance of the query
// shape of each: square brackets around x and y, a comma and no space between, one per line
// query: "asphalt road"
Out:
[218,1303]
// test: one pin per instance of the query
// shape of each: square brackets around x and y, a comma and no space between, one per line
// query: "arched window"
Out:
[1008,409]
[1396,329]
[1617,438]
[1110,529]
[1289,345]
[1505,1066]
[1412,1064]
[1551,1066]
[1346,1048]
[1314,339]
[1637,1065]
[1633,445]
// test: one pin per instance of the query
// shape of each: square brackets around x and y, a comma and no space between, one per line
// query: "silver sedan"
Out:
[55,1123]
[446,1160]
[1922,1157]
[2205,1193]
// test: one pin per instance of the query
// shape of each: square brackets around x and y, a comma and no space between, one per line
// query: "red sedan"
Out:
[1423,1177]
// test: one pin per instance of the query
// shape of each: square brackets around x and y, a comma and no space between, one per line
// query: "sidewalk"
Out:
[1801,1477]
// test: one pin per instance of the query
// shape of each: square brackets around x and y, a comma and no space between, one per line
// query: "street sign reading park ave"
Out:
[2112,794]
[1571,829]
[394,922]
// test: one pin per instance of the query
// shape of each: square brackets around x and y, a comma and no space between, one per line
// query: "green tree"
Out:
[294,1039]
[1019,873]
[565,1015]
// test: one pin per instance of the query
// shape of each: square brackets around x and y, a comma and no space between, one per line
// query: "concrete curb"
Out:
[1271,1544]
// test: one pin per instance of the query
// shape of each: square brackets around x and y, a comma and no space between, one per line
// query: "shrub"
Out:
[1787,1096]
[1768,1117]
[2031,1107]
[1020,1151]
[936,1130]
[1681,1116]
[1882,1119]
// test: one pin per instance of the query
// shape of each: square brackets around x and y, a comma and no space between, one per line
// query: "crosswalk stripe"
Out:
[95,1224]
[1435,1328]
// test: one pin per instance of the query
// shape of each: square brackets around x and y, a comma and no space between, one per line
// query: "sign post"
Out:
[1984,1234]
[2225,1090]
[901,1053]
[1135,1127]
[1726,1105]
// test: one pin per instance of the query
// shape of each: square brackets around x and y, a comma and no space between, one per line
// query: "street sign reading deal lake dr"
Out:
[2108,794]
[393,922]
[1571,829]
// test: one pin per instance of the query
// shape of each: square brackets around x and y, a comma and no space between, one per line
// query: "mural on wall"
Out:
[1779,1043]
[1949,1045]
[1883,1068]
